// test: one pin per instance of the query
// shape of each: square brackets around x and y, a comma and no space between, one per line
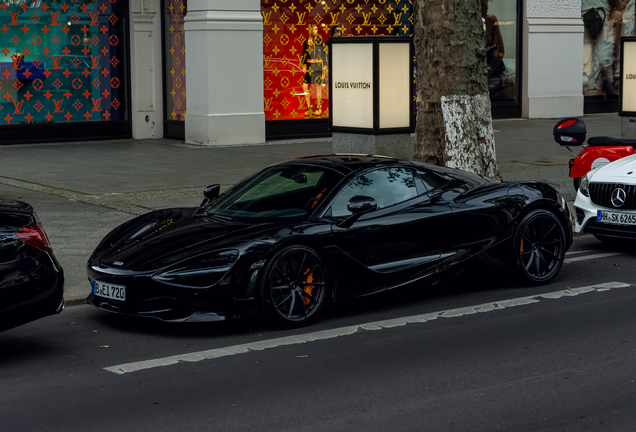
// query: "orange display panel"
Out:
[295,51]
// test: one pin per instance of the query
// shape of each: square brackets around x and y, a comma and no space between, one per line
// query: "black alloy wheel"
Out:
[539,245]
[294,287]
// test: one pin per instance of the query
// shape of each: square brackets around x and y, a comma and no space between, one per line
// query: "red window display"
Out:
[61,61]
[295,51]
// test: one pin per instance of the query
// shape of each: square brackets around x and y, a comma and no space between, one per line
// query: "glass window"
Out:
[605,21]
[387,186]
[432,180]
[295,35]
[62,62]
[501,47]
[277,192]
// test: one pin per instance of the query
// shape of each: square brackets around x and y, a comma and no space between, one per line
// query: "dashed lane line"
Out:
[346,331]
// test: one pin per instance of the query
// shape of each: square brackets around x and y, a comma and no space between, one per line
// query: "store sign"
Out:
[352,92]
[628,86]
[372,87]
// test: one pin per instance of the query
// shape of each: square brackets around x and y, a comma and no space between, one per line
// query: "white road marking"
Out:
[577,252]
[345,331]
[589,257]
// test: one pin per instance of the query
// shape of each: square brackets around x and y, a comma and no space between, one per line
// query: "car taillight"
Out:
[35,236]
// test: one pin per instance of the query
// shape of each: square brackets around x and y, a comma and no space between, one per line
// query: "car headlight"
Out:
[584,188]
[202,271]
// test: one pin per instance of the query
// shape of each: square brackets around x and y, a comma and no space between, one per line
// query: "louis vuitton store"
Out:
[240,72]
[295,71]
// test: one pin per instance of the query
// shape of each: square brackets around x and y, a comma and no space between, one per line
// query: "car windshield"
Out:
[281,191]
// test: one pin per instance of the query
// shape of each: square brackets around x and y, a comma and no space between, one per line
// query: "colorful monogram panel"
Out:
[61,61]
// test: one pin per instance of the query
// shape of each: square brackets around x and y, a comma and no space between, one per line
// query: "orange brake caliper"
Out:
[308,288]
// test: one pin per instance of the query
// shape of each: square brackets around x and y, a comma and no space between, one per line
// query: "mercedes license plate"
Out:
[614,218]
[111,291]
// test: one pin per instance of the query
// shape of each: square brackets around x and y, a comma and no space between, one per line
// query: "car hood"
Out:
[162,238]
[620,171]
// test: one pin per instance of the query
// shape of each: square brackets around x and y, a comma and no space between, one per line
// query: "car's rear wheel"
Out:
[294,287]
[539,246]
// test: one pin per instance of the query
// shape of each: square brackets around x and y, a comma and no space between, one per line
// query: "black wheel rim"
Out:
[541,247]
[297,286]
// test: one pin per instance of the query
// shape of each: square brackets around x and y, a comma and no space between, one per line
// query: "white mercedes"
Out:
[605,204]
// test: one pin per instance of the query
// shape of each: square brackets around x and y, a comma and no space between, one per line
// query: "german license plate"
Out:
[111,291]
[615,218]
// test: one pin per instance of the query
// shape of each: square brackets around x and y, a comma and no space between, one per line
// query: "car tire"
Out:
[577,183]
[294,287]
[539,246]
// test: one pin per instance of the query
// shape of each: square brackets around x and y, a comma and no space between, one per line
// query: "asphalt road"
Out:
[477,354]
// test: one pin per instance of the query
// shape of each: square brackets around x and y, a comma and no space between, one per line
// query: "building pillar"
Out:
[145,54]
[552,79]
[224,64]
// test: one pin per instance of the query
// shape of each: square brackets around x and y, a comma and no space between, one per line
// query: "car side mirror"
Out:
[210,193]
[361,204]
[358,205]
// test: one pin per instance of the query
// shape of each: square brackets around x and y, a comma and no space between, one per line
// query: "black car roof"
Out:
[346,163]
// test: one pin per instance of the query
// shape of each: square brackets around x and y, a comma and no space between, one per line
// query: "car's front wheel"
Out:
[294,287]
[539,246]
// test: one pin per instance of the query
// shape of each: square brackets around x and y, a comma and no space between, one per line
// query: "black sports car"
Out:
[300,234]
[31,279]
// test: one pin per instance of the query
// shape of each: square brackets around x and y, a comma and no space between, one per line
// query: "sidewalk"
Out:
[81,191]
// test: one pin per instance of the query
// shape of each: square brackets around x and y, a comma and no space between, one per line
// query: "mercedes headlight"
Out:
[584,188]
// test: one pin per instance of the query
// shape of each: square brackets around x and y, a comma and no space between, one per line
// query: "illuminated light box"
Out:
[627,92]
[371,84]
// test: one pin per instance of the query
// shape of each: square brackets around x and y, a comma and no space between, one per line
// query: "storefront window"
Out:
[295,35]
[605,21]
[175,73]
[501,47]
[61,61]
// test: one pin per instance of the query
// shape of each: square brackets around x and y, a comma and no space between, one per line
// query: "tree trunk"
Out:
[454,121]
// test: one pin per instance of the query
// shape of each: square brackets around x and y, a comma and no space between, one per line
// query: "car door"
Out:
[398,242]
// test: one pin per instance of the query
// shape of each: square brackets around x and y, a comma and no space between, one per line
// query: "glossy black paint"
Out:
[31,279]
[462,216]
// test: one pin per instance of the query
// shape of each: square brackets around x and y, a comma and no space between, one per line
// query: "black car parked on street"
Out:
[300,234]
[31,278]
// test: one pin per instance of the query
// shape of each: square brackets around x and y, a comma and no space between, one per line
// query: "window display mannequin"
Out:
[495,50]
[603,22]
[315,68]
